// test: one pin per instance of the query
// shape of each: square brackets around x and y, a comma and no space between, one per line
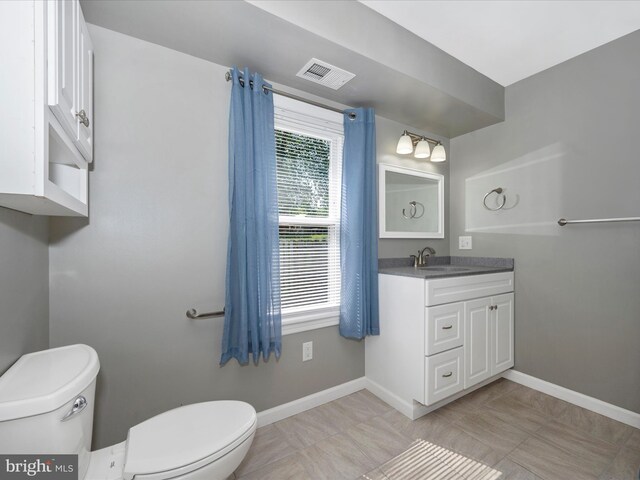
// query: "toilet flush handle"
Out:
[79,404]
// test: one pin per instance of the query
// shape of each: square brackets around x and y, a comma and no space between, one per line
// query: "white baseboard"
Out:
[603,408]
[415,409]
[300,405]
[392,399]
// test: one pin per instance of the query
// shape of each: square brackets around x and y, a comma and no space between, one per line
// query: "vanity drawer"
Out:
[455,289]
[443,375]
[444,328]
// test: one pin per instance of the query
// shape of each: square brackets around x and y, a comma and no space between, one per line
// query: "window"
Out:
[309,165]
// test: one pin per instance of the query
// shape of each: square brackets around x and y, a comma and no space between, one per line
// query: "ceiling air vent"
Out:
[325,74]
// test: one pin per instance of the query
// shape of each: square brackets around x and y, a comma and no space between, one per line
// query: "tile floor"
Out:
[503,431]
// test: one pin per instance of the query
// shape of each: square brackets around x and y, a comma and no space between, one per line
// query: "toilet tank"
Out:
[46,403]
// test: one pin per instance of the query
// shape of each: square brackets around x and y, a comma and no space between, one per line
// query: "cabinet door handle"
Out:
[446,375]
[447,327]
[82,115]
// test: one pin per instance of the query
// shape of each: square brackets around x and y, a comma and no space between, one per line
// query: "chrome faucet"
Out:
[423,258]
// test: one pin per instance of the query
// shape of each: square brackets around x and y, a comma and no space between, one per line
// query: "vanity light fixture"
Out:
[405,144]
[438,155]
[422,149]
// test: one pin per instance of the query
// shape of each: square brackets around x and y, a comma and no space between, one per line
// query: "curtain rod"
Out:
[352,115]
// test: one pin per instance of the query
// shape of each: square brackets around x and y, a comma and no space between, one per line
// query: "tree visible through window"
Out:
[303,174]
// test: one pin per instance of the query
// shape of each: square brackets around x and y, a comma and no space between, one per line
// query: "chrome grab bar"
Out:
[193,314]
[563,221]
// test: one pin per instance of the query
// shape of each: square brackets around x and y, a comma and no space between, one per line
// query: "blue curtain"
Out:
[359,315]
[252,320]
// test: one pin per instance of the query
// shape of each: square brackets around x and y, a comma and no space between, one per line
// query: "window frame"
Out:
[301,118]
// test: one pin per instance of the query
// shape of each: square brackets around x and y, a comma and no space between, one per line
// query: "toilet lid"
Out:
[187,438]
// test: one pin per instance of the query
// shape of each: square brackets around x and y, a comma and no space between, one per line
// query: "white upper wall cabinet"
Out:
[62,35]
[70,75]
[85,90]
[46,130]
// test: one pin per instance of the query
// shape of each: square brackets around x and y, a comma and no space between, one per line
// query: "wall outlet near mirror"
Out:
[465,242]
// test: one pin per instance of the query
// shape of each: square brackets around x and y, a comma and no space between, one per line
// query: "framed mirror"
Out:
[411,203]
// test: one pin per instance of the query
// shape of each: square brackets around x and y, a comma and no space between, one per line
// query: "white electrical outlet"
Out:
[307,351]
[464,242]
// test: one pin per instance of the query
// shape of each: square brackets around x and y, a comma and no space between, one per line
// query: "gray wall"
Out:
[568,148]
[155,245]
[24,285]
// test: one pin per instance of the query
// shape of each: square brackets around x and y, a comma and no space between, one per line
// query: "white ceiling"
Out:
[511,40]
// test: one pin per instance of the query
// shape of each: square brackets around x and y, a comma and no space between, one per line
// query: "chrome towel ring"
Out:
[500,194]
[413,210]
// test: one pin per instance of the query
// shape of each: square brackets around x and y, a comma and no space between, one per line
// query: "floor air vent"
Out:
[325,74]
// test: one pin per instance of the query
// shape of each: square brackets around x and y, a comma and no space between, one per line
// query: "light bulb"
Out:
[422,149]
[438,155]
[405,144]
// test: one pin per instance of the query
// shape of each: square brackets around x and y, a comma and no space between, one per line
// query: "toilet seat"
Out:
[187,438]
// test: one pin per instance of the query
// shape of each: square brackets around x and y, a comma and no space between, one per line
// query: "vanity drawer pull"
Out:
[447,375]
[447,327]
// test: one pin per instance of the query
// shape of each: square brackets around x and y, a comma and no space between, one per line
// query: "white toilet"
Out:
[46,406]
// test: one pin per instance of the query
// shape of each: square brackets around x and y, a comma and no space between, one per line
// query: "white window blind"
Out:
[309,160]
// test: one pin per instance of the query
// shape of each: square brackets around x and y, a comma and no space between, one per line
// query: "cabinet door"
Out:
[85,90]
[502,345]
[62,24]
[477,341]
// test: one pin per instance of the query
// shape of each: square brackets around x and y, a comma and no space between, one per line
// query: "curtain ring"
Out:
[499,192]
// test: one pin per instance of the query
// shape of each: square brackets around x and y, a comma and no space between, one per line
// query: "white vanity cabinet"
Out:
[46,131]
[439,337]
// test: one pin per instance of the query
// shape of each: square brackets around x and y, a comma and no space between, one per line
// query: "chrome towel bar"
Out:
[563,221]
[194,315]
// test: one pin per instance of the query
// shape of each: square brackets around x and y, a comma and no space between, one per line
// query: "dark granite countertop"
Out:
[444,267]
